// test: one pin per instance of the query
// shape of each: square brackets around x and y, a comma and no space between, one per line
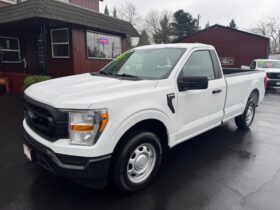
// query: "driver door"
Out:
[201,110]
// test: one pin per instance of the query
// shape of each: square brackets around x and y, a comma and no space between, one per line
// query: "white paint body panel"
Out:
[129,102]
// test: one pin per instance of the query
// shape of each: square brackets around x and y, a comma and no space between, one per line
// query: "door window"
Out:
[253,65]
[199,64]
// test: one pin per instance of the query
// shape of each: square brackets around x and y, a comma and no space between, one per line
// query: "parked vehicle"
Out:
[118,123]
[272,69]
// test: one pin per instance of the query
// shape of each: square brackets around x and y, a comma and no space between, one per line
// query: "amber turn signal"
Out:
[81,128]
[104,117]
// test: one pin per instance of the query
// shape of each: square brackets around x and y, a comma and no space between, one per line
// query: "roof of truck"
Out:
[178,45]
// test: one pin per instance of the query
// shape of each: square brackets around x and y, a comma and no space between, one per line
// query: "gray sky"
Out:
[247,13]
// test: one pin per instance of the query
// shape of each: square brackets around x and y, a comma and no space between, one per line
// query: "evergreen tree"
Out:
[183,24]
[115,13]
[106,11]
[232,24]
[144,38]
[162,35]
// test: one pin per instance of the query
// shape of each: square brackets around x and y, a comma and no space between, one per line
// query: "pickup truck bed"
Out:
[239,82]
[236,72]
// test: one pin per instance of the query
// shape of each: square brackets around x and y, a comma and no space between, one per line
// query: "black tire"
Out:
[241,121]
[125,151]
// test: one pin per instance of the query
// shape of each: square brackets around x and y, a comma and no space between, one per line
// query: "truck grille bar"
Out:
[46,121]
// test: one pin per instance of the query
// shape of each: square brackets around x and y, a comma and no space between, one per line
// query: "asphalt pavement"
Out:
[224,168]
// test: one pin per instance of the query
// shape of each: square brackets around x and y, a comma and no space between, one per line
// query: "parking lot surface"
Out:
[222,169]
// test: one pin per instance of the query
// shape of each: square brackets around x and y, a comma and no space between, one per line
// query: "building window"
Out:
[9,50]
[227,61]
[60,43]
[103,46]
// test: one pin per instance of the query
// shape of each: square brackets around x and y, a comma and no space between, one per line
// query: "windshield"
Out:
[145,64]
[269,64]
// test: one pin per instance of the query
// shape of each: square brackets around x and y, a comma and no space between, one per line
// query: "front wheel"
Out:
[245,120]
[137,160]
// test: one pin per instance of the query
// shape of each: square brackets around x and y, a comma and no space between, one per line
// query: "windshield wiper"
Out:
[105,73]
[127,75]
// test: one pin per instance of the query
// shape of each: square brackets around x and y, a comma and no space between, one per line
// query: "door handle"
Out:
[216,91]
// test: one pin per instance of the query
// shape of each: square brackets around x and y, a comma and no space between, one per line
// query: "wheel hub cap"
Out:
[141,163]
[249,114]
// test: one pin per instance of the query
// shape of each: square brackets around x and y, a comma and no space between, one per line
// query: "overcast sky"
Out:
[247,13]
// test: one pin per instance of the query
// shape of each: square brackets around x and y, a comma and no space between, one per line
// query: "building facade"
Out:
[58,38]
[235,48]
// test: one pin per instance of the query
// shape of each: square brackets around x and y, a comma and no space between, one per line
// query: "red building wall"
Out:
[229,43]
[89,4]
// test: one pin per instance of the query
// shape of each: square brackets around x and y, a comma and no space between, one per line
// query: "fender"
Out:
[140,116]
[255,85]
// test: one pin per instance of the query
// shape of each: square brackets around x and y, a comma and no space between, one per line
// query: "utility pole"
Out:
[198,20]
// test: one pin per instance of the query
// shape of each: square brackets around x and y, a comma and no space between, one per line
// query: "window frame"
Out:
[10,50]
[98,58]
[253,65]
[60,43]
[216,76]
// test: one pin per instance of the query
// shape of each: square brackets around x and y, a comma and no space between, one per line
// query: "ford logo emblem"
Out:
[31,115]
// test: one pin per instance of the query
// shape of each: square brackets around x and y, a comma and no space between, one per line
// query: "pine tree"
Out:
[115,13]
[144,39]
[106,11]
[183,24]
[163,33]
[232,24]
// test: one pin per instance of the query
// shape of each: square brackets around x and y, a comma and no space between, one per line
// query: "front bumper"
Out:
[273,83]
[91,172]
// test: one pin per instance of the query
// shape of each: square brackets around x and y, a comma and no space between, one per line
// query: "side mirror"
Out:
[193,83]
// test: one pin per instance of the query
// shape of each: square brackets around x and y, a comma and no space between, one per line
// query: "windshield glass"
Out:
[145,64]
[269,64]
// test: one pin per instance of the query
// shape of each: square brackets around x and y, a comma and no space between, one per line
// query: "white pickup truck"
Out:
[272,69]
[117,124]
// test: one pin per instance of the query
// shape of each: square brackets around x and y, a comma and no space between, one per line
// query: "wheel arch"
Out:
[153,125]
[255,94]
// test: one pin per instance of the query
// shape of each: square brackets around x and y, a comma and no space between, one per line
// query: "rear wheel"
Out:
[245,120]
[136,161]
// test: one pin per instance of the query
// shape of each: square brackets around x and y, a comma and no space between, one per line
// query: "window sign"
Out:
[103,45]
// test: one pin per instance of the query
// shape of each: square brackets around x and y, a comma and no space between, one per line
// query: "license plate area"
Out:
[27,152]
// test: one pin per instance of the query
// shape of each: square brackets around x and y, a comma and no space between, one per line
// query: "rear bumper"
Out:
[92,172]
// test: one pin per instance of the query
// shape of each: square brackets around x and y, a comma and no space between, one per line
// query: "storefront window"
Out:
[103,46]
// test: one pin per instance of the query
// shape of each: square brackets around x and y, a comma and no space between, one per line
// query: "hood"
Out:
[81,91]
[271,70]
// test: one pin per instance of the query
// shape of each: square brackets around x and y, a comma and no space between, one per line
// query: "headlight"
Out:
[85,127]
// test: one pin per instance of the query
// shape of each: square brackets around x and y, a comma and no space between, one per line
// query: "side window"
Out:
[253,65]
[199,64]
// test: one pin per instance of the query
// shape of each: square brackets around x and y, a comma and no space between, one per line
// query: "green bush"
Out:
[31,80]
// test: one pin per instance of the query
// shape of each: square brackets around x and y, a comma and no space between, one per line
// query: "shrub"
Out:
[31,80]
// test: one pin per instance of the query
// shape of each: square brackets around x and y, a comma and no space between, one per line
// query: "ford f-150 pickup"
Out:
[116,125]
[272,69]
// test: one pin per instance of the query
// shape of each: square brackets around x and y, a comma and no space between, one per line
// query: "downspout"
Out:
[46,50]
